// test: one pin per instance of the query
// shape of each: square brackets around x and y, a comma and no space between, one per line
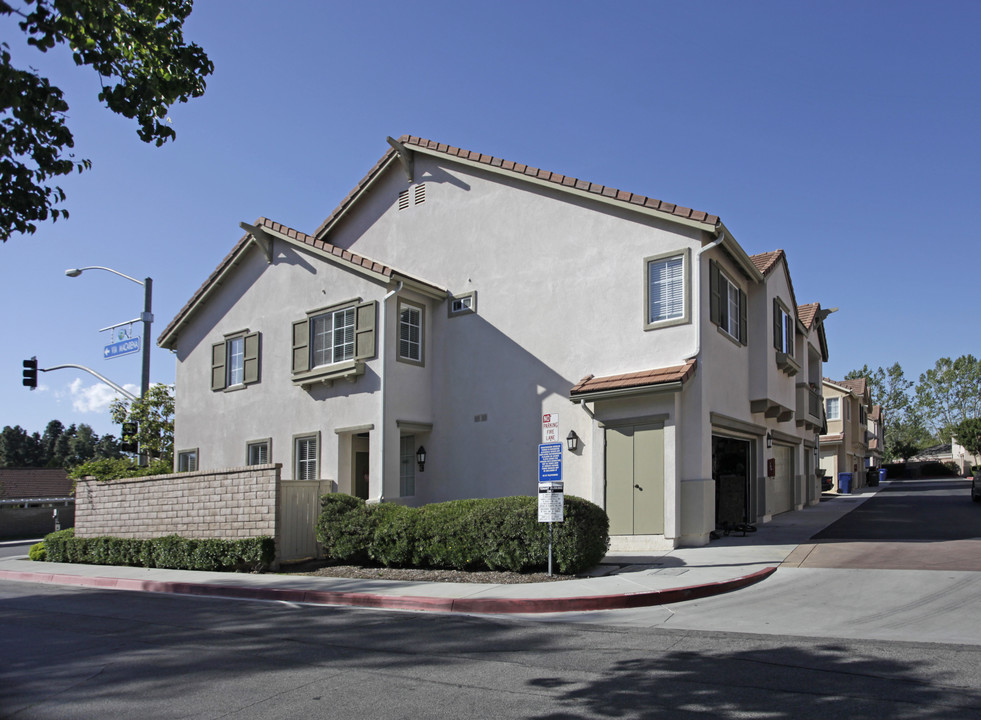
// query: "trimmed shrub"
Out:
[495,534]
[172,551]
[393,543]
[343,528]
[37,553]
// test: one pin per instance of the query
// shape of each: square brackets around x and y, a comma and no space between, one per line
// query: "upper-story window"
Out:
[727,304]
[783,329]
[329,343]
[410,332]
[666,289]
[332,337]
[833,408]
[235,361]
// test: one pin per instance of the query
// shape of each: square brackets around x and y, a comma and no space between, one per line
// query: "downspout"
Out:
[697,292]
[382,336]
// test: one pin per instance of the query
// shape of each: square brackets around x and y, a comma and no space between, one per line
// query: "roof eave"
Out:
[689,222]
[619,393]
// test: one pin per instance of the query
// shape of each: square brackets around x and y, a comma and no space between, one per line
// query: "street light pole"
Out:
[146,317]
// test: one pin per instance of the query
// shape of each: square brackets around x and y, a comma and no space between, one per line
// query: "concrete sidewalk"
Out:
[620,581]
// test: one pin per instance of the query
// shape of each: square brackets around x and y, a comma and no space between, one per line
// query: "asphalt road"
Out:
[87,653]
[812,641]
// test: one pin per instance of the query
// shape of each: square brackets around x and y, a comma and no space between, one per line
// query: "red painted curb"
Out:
[405,602]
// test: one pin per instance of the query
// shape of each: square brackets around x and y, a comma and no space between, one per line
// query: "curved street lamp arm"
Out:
[90,371]
[75,272]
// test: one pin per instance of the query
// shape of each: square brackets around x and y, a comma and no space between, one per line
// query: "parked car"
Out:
[827,483]
[976,488]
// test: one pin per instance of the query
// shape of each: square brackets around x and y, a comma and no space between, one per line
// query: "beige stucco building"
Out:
[472,307]
[845,447]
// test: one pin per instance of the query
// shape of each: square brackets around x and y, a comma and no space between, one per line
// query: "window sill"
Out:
[787,363]
[327,374]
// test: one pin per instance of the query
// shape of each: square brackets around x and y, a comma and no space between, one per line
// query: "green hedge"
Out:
[484,534]
[173,552]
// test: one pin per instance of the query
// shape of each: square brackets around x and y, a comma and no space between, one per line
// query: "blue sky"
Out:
[845,133]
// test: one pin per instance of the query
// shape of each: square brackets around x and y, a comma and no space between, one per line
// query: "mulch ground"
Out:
[324,569]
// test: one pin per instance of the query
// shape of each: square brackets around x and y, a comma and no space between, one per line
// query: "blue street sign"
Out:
[123,347]
[550,462]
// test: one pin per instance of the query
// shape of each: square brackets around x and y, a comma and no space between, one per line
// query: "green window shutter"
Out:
[777,325]
[301,346]
[218,366]
[743,330]
[251,359]
[715,300]
[364,331]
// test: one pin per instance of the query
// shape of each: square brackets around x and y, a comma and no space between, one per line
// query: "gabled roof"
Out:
[598,388]
[412,143]
[263,232]
[34,483]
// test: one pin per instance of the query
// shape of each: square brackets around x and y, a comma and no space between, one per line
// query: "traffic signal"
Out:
[30,373]
[129,443]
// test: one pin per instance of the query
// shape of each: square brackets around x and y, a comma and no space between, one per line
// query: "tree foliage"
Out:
[905,432]
[138,51]
[154,416]
[950,393]
[58,447]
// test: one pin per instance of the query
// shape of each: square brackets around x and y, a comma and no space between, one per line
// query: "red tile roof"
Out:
[23,483]
[807,313]
[627,381]
[518,169]
[765,262]
[295,235]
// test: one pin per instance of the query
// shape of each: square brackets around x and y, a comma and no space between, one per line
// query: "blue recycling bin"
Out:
[845,483]
[882,474]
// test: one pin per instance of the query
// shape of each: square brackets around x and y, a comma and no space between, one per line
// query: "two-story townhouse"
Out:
[845,445]
[410,348]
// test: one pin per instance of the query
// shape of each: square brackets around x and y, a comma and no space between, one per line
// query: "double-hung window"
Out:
[235,361]
[833,408]
[331,343]
[305,458]
[728,304]
[666,290]
[410,333]
[332,337]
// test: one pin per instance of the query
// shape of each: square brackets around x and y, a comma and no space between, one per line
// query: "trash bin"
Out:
[845,483]
[882,474]
[873,477]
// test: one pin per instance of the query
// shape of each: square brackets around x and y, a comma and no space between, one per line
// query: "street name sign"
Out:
[123,347]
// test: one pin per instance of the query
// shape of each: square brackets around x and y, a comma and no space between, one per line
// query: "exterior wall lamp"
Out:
[769,440]
[572,441]
[421,458]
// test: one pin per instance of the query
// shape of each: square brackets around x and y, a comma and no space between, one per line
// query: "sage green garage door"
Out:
[635,480]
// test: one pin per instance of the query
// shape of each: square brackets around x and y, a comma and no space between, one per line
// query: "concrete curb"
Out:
[405,602]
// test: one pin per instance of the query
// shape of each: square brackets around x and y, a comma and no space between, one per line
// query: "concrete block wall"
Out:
[231,504]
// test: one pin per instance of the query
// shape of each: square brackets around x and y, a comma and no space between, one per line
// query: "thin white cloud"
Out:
[95,398]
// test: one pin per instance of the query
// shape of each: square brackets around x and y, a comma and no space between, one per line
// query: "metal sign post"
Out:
[550,489]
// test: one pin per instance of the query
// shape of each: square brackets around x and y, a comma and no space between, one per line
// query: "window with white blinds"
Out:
[666,289]
[332,337]
[306,458]
[258,452]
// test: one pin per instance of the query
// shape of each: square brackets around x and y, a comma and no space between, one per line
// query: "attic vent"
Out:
[403,200]
[420,193]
